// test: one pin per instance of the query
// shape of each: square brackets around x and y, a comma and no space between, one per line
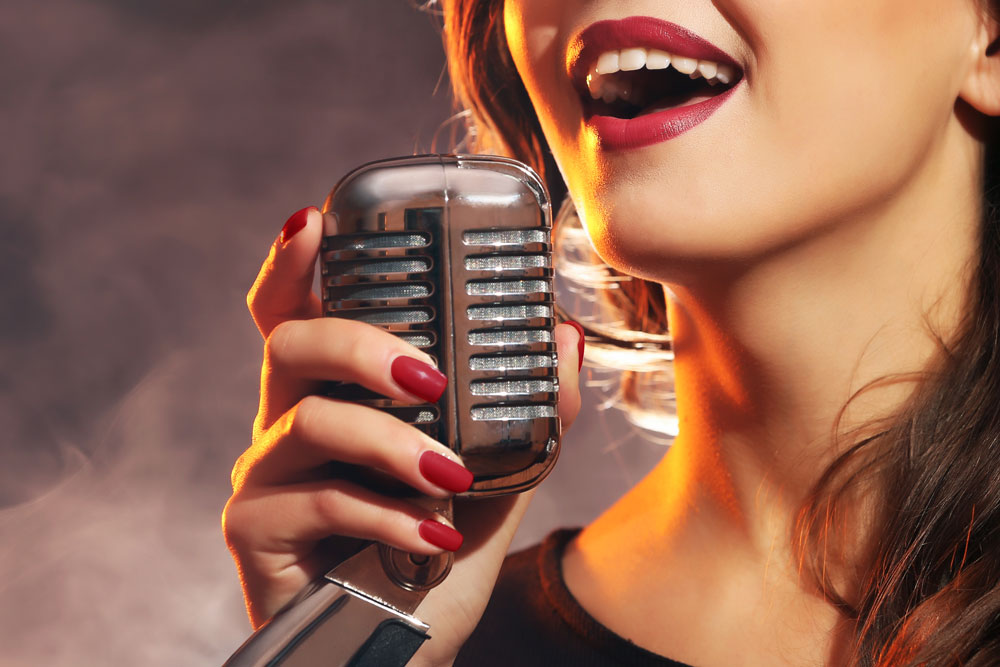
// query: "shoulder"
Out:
[533,619]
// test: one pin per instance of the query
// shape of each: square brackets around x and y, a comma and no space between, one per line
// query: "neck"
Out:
[767,355]
[783,362]
[775,359]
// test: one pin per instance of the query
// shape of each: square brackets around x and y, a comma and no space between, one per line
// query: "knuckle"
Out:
[358,349]
[343,511]
[361,342]
[233,526]
[252,298]
[278,342]
[387,521]
[239,473]
[343,344]
[398,444]
[328,503]
[301,424]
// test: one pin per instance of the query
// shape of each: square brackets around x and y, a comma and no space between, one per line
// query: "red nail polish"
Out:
[580,345]
[444,472]
[418,378]
[295,224]
[440,535]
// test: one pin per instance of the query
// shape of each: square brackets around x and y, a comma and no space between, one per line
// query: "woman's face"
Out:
[838,106]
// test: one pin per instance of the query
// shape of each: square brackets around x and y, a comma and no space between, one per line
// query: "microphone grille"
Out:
[465,274]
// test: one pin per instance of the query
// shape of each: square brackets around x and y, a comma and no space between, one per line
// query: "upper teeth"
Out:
[627,60]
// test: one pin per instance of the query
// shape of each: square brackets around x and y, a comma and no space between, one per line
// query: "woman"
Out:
[808,181]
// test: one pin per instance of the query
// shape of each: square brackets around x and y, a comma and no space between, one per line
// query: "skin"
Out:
[808,231]
[800,230]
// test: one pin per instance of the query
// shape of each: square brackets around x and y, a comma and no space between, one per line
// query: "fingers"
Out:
[315,430]
[283,288]
[569,344]
[318,431]
[300,352]
[280,520]
[276,534]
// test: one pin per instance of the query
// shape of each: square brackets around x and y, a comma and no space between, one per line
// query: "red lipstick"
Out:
[616,133]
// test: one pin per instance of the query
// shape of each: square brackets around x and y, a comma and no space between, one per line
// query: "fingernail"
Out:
[418,378]
[579,345]
[440,535]
[444,472]
[295,224]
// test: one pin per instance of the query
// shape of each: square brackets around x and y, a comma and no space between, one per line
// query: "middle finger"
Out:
[318,431]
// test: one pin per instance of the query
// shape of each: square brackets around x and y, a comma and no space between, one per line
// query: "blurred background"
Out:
[151,151]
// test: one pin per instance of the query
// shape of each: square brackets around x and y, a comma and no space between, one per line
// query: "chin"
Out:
[665,243]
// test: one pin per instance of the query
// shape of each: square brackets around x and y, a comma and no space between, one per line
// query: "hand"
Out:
[288,518]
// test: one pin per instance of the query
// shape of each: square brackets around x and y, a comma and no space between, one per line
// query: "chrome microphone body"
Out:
[452,254]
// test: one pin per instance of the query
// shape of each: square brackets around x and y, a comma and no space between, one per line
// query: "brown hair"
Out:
[927,589]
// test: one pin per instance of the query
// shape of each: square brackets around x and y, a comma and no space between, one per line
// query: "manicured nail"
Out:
[444,472]
[440,535]
[418,378]
[295,224]
[579,345]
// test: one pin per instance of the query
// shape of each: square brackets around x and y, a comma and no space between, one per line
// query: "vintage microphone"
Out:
[452,253]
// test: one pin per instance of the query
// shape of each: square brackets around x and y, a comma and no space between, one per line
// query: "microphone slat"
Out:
[375,241]
[505,237]
[379,292]
[509,412]
[506,262]
[388,315]
[513,387]
[516,362]
[420,338]
[420,414]
[514,311]
[510,337]
[505,287]
[404,265]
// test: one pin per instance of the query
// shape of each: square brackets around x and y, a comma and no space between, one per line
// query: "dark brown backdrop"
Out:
[151,150]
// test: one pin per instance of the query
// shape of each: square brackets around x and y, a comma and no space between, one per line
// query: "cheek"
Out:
[873,79]
[534,32]
[531,29]
[849,111]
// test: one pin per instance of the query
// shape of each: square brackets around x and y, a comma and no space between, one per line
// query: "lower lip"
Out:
[624,133]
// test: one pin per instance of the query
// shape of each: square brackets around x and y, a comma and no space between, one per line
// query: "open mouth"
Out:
[636,81]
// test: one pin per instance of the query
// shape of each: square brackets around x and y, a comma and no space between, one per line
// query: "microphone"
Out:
[453,254]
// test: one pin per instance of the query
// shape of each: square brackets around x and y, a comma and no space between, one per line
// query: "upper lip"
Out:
[638,31]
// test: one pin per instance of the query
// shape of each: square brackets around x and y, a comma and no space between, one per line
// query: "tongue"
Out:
[675,101]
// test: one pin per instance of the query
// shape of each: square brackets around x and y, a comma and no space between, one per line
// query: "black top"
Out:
[532,620]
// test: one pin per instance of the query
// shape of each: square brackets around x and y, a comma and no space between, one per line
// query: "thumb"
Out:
[283,288]
[570,344]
